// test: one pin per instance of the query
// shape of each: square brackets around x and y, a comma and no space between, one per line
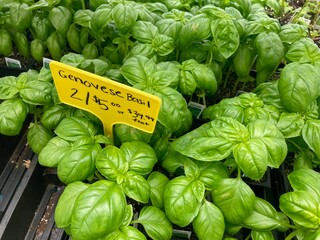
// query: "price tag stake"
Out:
[110,101]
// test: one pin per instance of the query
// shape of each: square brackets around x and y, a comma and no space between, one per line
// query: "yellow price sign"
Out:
[112,102]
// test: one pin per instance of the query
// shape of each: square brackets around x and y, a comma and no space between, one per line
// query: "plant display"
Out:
[139,185]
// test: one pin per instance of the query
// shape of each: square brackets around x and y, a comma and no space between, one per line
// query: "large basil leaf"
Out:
[138,69]
[157,182]
[155,223]
[140,156]
[144,31]
[72,128]
[135,186]
[37,92]
[54,152]
[298,86]
[53,115]
[124,16]
[197,29]
[170,27]
[78,164]
[109,162]
[272,138]
[301,207]
[306,180]
[227,107]
[304,51]
[212,141]
[82,17]
[61,18]
[311,135]
[38,136]
[13,113]
[180,202]
[209,223]
[163,44]
[175,106]
[290,124]
[225,36]
[65,205]
[251,156]
[98,211]
[210,172]
[292,32]
[234,198]
[263,217]
[8,87]
[99,20]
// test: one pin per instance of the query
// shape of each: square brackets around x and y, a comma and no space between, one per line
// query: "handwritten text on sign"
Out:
[110,101]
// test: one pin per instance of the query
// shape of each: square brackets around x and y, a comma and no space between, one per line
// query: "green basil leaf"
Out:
[38,136]
[109,161]
[298,86]
[261,235]
[61,18]
[173,160]
[205,79]
[168,71]
[54,152]
[292,32]
[8,87]
[127,232]
[157,182]
[140,156]
[304,51]
[305,180]
[99,20]
[53,115]
[124,16]
[210,172]
[197,29]
[301,207]
[204,144]
[180,203]
[170,27]
[138,69]
[191,170]
[187,84]
[311,134]
[155,223]
[272,138]
[37,92]
[163,44]
[209,223]
[127,133]
[236,191]
[20,16]
[227,107]
[65,205]
[82,17]
[175,106]
[98,211]
[129,216]
[136,187]
[72,128]
[13,113]
[144,31]
[225,36]
[290,124]
[78,164]
[251,156]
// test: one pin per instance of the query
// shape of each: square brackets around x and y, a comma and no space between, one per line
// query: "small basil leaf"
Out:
[155,223]
[13,113]
[157,182]
[38,136]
